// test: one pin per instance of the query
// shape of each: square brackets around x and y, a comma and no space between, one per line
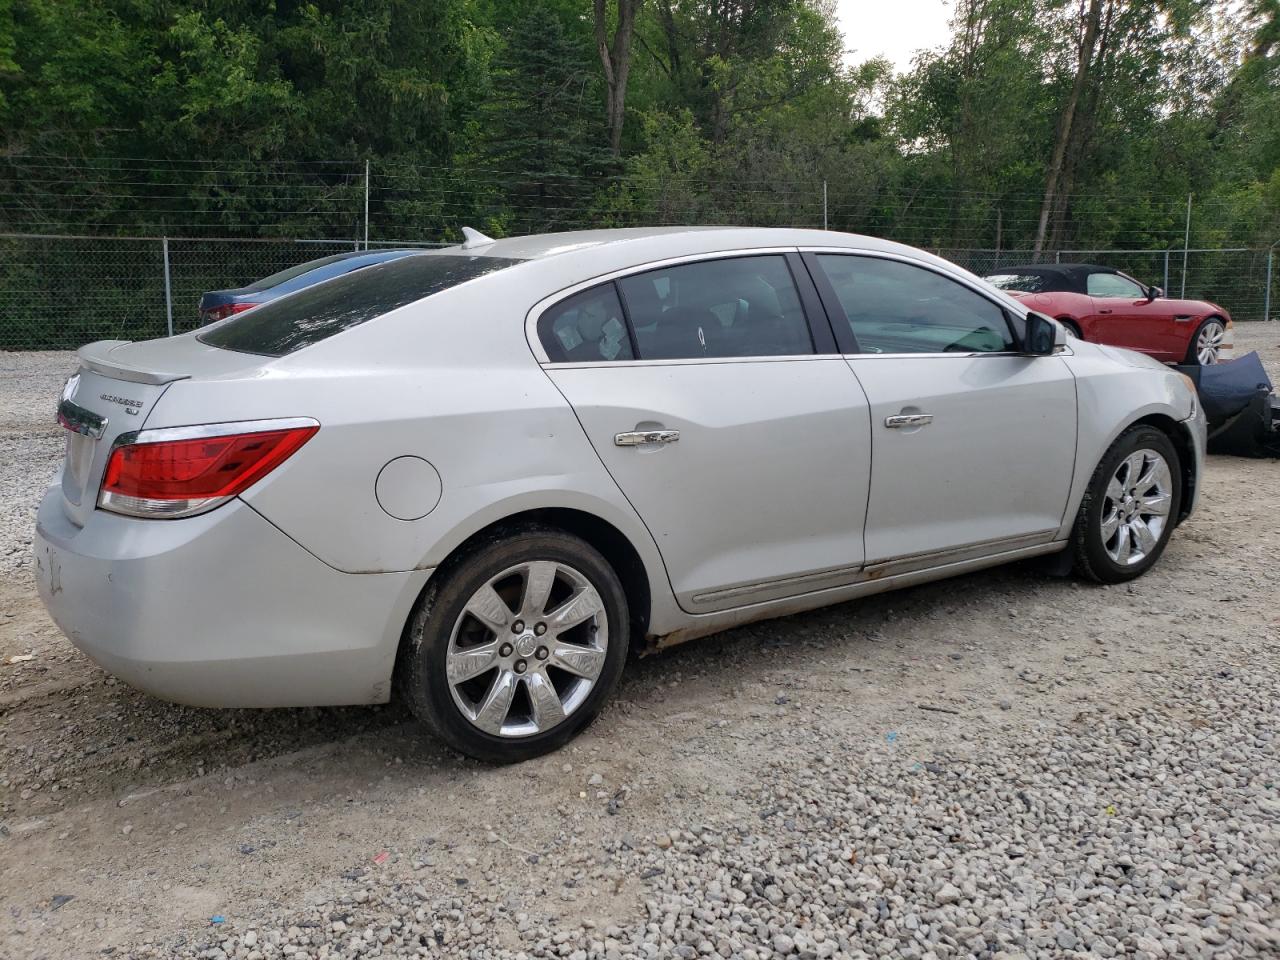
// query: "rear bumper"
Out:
[220,610]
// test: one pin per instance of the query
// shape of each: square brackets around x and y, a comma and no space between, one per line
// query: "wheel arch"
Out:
[1179,436]
[1218,315]
[614,545]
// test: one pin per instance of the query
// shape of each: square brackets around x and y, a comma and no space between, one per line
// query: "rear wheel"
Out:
[1128,511]
[1073,328]
[1207,343]
[516,649]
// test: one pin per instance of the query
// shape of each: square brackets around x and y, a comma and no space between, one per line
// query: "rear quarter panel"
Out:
[451,380]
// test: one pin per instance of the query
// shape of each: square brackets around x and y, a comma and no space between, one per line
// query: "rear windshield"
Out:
[266,283]
[282,326]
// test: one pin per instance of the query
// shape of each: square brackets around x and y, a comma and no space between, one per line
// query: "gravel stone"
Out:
[1105,788]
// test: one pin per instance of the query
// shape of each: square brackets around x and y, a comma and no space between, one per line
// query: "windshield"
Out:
[316,313]
[1017,282]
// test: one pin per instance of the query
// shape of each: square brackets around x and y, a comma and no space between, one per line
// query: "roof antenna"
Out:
[474,238]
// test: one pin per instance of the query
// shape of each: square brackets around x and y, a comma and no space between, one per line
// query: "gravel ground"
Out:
[1002,765]
[30,446]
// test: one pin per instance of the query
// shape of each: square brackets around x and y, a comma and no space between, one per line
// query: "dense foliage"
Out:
[1052,122]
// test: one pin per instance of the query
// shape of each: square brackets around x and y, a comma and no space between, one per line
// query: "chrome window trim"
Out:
[688,361]
[1058,351]
[953,355]
[546,303]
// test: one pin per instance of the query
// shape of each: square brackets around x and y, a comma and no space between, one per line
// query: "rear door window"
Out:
[586,328]
[735,307]
[316,313]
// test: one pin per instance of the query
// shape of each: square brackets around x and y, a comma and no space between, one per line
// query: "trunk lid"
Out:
[114,392]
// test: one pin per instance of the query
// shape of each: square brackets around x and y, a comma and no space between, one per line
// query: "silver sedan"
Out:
[482,475]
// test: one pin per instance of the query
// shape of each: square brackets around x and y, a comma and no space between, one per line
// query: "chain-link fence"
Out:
[58,292]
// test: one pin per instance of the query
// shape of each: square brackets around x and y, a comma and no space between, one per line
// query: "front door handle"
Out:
[635,438]
[908,420]
[1105,310]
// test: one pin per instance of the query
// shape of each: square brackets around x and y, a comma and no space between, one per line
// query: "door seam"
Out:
[614,480]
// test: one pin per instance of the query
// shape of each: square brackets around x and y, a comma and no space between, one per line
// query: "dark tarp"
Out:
[1239,405]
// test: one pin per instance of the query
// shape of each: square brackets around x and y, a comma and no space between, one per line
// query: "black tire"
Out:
[1072,326]
[1091,557]
[1193,357]
[420,672]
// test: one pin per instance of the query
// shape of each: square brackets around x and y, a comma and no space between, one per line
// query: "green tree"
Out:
[541,140]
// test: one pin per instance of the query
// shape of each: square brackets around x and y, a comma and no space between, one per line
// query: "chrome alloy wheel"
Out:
[527,649]
[1136,507]
[1209,342]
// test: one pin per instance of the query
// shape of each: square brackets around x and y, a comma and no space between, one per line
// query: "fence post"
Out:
[366,204]
[168,289]
[1186,242]
[999,236]
[1166,273]
[1266,294]
[824,204]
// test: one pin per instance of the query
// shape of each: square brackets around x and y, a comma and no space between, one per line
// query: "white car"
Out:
[487,472]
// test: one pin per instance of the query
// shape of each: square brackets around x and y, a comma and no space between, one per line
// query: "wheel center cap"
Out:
[526,644]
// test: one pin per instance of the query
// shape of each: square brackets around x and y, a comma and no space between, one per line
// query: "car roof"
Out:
[561,260]
[1068,277]
[642,243]
[1064,269]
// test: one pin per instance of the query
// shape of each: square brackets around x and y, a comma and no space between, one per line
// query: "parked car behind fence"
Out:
[1103,305]
[220,304]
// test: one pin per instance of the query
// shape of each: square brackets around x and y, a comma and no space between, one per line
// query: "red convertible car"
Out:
[1103,305]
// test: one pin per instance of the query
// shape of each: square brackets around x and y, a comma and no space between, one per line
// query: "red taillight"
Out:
[191,474]
[224,311]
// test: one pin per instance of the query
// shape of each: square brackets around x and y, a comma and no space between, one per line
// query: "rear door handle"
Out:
[635,438]
[1105,310]
[908,420]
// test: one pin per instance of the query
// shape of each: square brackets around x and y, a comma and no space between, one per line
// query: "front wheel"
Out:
[1206,345]
[517,647]
[1128,511]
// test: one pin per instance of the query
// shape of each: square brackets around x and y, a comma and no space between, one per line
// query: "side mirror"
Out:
[1042,335]
[1154,292]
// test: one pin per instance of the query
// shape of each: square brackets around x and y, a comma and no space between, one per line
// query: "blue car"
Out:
[220,304]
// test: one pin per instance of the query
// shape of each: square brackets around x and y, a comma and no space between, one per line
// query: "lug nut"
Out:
[518,627]
[542,653]
[540,629]
[505,650]
[521,666]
